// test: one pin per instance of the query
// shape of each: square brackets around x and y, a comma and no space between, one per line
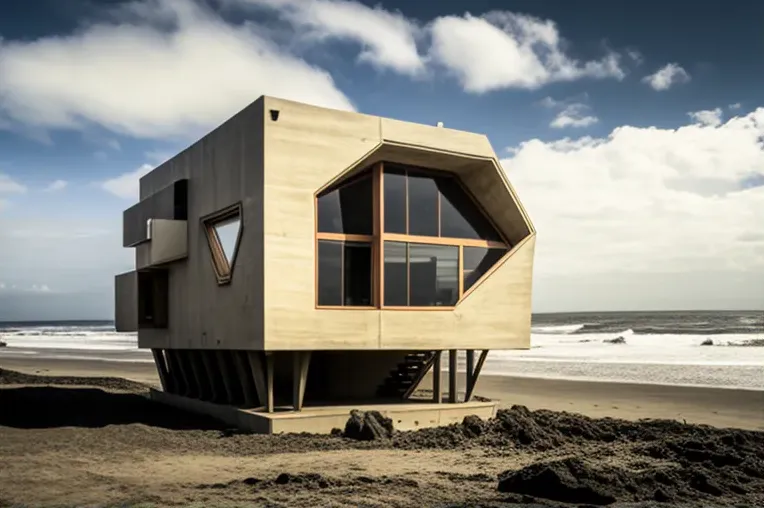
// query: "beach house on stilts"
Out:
[297,262]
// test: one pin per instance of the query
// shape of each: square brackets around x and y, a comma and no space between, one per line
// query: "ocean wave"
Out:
[687,329]
[557,329]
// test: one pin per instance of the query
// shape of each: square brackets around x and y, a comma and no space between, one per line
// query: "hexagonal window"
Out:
[223,231]
[429,241]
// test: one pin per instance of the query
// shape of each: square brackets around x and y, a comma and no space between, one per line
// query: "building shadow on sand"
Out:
[40,407]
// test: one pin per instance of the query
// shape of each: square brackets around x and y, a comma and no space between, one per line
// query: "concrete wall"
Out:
[126,302]
[223,168]
[160,205]
[169,242]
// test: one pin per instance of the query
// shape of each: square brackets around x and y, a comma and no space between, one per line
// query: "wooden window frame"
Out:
[378,238]
[222,268]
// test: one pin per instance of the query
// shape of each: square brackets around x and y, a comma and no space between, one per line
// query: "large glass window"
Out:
[434,275]
[344,274]
[459,215]
[395,201]
[421,275]
[477,261]
[329,273]
[422,203]
[426,221]
[347,209]
[396,274]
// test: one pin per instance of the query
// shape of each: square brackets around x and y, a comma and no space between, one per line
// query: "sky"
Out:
[632,132]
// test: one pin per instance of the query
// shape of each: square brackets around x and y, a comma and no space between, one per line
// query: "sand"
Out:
[68,441]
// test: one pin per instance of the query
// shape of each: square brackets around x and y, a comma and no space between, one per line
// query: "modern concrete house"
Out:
[298,259]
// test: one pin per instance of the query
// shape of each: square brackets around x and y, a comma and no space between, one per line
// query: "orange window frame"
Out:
[378,238]
[223,269]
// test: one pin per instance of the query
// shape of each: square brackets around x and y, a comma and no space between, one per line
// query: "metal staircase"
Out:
[406,376]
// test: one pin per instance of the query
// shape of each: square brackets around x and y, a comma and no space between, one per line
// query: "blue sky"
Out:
[631,130]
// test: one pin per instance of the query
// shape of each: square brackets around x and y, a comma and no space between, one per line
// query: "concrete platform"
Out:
[410,415]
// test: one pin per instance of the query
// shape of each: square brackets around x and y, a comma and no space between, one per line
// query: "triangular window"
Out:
[223,231]
[228,233]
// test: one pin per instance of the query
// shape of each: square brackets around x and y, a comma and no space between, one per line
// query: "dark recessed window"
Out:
[348,209]
[396,274]
[344,273]
[460,217]
[434,275]
[153,291]
[423,205]
[477,261]
[395,201]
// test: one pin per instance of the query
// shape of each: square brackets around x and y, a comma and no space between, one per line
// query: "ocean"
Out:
[658,347]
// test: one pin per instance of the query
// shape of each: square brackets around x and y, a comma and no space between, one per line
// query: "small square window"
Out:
[223,231]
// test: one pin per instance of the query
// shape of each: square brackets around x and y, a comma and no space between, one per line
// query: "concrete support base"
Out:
[322,419]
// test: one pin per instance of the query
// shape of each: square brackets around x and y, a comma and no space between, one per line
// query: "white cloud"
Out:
[2,285]
[159,68]
[40,288]
[9,185]
[574,115]
[735,106]
[712,117]
[667,76]
[55,186]
[388,39]
[507,50]
[127,185]
[647,201]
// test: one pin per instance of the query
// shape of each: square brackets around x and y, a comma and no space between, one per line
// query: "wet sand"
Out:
[99,441]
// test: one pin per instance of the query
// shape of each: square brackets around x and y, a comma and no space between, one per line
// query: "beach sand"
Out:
[75,442]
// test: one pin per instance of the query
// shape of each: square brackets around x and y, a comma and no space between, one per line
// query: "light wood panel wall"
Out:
[308,147]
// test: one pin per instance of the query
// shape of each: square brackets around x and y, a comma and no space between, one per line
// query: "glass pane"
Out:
[434,275]
[347,209]
[329,273]
[357,274]
[423,205]
[395,201]
[460,217]
[396,276]
[477,261]
[228,233]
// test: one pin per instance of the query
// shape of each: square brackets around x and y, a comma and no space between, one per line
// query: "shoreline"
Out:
[28,356]
[716,406]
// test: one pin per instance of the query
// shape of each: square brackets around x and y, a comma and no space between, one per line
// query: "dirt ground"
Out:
[68,441]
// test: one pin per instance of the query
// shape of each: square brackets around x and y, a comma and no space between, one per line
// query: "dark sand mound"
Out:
[578,481]
[690,463]
[10,377]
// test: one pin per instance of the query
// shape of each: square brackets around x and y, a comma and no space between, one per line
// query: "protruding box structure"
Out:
[304,255]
